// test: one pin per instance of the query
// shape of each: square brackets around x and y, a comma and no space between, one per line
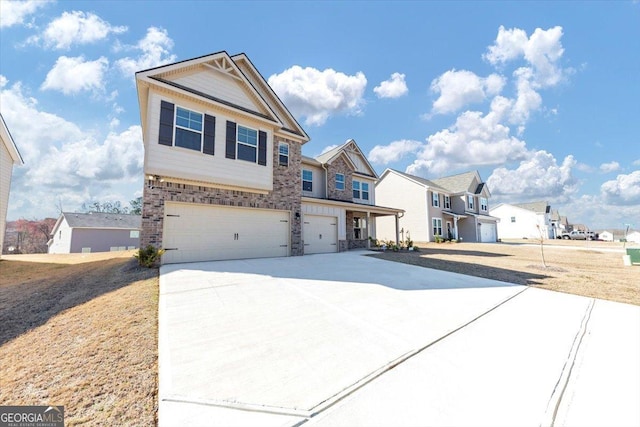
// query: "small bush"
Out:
[149,256]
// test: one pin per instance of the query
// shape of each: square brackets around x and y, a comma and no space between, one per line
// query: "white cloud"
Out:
[14,12]
[62,161]
[316,95]
[77,28]
[624,190]
[539,176]
[636,162]
[328,148]
[73,75]
[460,88]
[541,51]
[385,154]
[610,167]
[473,140]
[395,87]
[596,213]
[155,50]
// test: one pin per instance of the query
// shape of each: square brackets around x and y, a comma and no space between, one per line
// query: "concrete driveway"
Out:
[346,339]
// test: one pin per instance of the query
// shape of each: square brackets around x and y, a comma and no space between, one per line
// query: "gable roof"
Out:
[8,142]
[418,180]
[102,220]
[266,104]
[350,145]
[461,183]
[539,207]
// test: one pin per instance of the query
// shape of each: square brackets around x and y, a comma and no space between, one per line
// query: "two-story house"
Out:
[224,171]
[338,201]
[453,207]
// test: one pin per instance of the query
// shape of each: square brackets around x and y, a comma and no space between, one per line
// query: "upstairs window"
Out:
[181,127]
[513,219]
[283,151]
[339,181]
[247,144]
[188,129]
[307,180]
[447,202]
[470,202]
[365,191]
[435,199]
[483,203]
[356,189]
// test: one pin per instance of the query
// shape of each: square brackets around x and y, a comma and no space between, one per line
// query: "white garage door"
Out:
[320,234]
[488,232]
[194,232]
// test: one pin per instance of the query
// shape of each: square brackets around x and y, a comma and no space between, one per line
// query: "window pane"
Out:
[247,136]
[247,153]
[284,160]
[356,185]
[307,186]
[188,139]
[307,175]
[283,149]
[365,195]
[189,119]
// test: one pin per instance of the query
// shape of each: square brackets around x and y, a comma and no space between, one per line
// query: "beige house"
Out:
[224,169]
[9,156]
[453,207]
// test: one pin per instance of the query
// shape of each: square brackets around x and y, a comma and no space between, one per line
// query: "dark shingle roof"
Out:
[457,183]
[102,220]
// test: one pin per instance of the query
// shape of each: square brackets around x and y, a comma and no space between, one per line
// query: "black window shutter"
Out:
[262,148]
[165,135]
[209,134]
[231,140]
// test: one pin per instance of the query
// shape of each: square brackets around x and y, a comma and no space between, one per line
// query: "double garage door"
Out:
[320,234]
[194,232]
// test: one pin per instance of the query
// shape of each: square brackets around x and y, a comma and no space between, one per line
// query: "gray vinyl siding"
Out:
[101,240]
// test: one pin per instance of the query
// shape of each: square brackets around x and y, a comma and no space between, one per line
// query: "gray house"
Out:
[94,232]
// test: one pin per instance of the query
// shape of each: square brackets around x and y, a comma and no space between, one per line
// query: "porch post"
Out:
[455,227]
[397,230]
[368,230]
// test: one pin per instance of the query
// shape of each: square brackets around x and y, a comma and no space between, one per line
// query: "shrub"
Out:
[148,256]
[439,238]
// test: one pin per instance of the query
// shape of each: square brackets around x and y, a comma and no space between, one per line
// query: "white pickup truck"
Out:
[579,235]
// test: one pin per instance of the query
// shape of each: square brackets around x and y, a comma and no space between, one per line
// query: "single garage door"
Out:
[194,232]
[320,234]
[488,232]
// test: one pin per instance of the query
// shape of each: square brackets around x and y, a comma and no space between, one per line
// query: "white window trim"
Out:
[434,226]
[470,202]
[282,144]
[238,142]
[447,202]
[484,205]
[362,191]
[353,185]
[176,126]
[343,182]
[435,199]
[306,180]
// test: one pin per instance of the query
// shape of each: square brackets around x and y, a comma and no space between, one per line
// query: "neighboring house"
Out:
[9,156]
[455,207]
[606,235]
[94,232]
[223,168]
[556,223]
[633,236]
[339,202]
[525,221]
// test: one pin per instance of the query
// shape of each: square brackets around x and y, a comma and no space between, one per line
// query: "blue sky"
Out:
[542,98]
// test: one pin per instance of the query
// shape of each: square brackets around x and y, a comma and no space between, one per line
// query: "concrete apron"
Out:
[287,340]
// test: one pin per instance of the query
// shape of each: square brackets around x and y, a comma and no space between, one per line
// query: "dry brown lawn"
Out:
[80,331]
[589,268]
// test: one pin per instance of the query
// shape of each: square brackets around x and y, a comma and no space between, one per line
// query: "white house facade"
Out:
[525,221]
[9,156]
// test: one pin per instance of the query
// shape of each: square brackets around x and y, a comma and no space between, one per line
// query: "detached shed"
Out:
[95,232]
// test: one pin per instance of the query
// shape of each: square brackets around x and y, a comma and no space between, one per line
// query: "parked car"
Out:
[575,235]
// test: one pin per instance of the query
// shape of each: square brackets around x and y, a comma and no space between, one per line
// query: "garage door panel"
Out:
[204,232]
[320,234]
